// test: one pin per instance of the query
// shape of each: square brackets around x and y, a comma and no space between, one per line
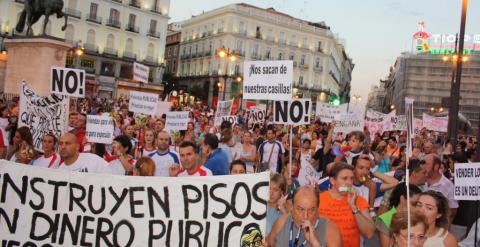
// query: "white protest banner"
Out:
[141,102]
[410,125]
[327,112]
[66,81]
[256,115]
[439,124]
[140,72]
[294,112]
[268,80]
[308,175]
[231,119]
[100,129]
[374,121]
[349,122]
[51,207]
[43,115]
[177,120]
[394,123]
[466,180]
[224,108]
[162,108]
[418,125]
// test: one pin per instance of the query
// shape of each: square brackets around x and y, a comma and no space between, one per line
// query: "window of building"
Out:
[131,20]
[114,15]
[280,55]
[153,26]
[302,59]
[93,10]
[300,80]
[305,42]
[317,63]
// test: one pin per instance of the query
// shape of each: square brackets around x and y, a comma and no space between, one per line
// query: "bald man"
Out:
[164,158]
[315,230]
[73,160]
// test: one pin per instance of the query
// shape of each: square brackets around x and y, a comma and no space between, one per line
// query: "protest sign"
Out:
[50,207]
[42,115]
[177,120]
[100,129]
[231,119]
[224,108]
[294,112]
[349,122]
[374,121]
[141,102]
[327,112]
[418,126]
[268,80]
[308,175]
[140,72]
[466,180]
[162,108]
[410,125]
[393,123]
[70,82]
[439,124]
[256,115]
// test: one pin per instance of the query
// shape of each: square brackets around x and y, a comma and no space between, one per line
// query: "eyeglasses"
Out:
[419,238]
[308,210]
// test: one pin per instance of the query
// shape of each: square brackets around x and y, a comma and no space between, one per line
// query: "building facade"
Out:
[321,65]
[427,78]
[376,97]
[113,35]
[172,49]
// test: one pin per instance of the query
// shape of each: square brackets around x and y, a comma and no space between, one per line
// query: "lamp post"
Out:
[455,90]
[230,56]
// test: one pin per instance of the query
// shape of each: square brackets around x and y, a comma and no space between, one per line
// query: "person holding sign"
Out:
[75,161]
[190,165]
[49,159]
[303,226]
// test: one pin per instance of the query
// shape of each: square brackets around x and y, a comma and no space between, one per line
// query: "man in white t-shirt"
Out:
[73,160]
[49,159]
[190,165]
[164,158]
[271,151]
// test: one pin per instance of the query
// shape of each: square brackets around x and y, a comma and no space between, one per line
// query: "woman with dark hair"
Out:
[122,163]
[22,141]
[435,208]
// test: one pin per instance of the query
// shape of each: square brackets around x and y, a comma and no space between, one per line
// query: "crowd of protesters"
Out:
[360,198]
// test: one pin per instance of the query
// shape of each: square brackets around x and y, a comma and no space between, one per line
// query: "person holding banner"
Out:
[75,161]
[303,226]
[49,159]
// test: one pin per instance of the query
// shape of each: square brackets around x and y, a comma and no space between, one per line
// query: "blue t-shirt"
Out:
[217,162]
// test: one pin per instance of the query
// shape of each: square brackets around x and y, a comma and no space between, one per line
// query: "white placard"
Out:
[163,107]
[224,108]
[294,112]
[177,120]
[467,176]
[308,175]
[349,122]
[66,81]
[100,129]
[140,72]
[439,124]
[141,102]
[62,208]
[327,112]
[375,121]
[396,123]
[43,115]
[268,80]
[231,119]
[256,115]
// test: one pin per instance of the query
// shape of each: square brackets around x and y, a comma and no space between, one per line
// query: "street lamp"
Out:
[231,56]
[391,107]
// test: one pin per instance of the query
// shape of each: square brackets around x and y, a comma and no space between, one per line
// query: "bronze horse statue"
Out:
[34,9]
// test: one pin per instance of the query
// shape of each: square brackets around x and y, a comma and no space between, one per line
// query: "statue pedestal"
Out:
[30,59]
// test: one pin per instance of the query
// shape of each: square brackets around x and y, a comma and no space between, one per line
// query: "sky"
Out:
[376,32]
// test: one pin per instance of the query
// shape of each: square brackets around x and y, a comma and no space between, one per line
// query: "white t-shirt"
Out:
[265,149]
[117,167]
[51,161]
[87,162]
[200,172]
[164,161]
[146,153]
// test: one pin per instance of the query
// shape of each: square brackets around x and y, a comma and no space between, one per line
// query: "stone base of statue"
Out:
[30,59]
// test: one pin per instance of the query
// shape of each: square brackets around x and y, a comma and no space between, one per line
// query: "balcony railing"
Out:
[258,35]
[270,39]
[319,49]
[208,53]
[132,28]
[20,1]
[220,30]
[156,10]
[129,55]
[243,33]
[318,68]
[239,53]
[94,18]
[304,66]
[91,47]
[118,1]
[134,3]
[110,51]
[282,42]
[150,59]
[113,23]
[73,13]
[153,33]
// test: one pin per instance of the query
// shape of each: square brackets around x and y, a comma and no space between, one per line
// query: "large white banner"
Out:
[141,102]
[327,112]
[466,182]
[375,121]
[294,112]
[66,81]
[349,122]
[140,72]
[162,108]
[100,129]
[268,80]
[224,108]
[42,115]
[49,207]
[177,120]
[439,124]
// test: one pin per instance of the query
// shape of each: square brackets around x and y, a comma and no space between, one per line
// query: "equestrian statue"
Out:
[34,9]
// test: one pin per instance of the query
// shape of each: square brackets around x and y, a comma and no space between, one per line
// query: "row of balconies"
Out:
[196,55]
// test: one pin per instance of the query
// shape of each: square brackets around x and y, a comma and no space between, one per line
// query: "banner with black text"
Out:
[294,112]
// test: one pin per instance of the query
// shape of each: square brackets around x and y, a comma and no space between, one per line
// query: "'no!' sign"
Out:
[294,112]
[67,81]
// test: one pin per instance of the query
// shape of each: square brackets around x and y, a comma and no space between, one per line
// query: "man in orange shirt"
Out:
[393,150]
[341,205]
